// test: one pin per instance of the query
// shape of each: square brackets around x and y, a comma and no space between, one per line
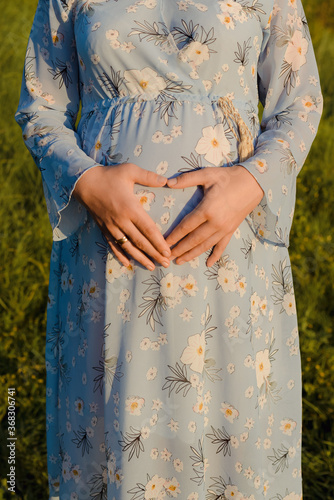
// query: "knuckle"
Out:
[137,242]
[210,213]
[131,169]
[149,230]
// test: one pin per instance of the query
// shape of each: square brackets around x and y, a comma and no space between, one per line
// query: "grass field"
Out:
[24,259]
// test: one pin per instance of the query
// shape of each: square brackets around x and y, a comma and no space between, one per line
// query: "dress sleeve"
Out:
[289,90]
[47,112]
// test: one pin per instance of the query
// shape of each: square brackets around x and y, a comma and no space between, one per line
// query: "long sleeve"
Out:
[47,111]
[289,90]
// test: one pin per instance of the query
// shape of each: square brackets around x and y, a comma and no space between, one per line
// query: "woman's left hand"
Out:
[230,194]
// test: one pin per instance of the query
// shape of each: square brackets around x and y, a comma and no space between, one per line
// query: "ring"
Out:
[122,240]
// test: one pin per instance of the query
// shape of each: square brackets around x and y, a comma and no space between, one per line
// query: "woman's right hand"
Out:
[107,192]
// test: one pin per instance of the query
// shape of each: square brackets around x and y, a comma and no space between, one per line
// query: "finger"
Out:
[146,226]
[138,242]
[199,249]
[146,177]
[188,224]
[130,248]
[218,250]
[117,251]
[198,236]
[188,179]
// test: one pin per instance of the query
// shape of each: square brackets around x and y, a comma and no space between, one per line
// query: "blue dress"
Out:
[181,382]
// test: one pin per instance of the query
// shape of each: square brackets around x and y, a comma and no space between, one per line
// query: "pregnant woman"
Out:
[172,355]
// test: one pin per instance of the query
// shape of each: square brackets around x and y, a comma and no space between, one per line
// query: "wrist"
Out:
[85,181]
[249,180]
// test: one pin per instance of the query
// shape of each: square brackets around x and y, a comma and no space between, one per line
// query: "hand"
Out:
[230,194]
[107,192]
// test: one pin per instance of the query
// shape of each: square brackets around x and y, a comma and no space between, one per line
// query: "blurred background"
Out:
[25,243]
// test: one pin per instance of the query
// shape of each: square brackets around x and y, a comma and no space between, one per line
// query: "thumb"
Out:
[147,178]
[195,178]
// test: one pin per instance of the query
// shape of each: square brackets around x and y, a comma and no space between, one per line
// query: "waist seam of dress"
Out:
[139,98]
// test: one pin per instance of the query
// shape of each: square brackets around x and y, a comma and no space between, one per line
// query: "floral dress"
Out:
[181,382]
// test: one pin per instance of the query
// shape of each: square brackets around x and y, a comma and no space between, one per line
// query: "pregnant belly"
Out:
[133,132]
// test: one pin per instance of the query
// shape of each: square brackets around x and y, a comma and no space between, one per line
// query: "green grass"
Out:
[25,242]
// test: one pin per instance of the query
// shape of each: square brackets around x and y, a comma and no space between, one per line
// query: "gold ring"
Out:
[122,240]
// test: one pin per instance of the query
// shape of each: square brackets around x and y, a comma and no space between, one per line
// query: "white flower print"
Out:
[165,455]
[214,145]
[169,201]
[230,368]
[113,269]
[169,285]
[292,496]
[226,279]
[145,344]
[157,137]
[234,442]
[227,20]
[248,473]
[193,354]
[261,165]
[138,150]
[192,426]
[127,47]
[196,53]
[146,198]
[154,419]
[186,315]
[167,139]
[134,405]
[189,285]
[172,487]
[262,366]
[178,465]
[165,218]
[243,437]
[173,425]
[289,304]
[241,286]
[183,5]
[112,34]
[296,51]
[288,426]
[151,373]
[176,131]
[232,493]
[199,406]
[199,109]
[66,471]
[249,392]
[229,412]
[157,404]
[145,81]
[76,473]
[79,406]
[257,482]
[162,167]
[95,58]
[249,423]
[154,487]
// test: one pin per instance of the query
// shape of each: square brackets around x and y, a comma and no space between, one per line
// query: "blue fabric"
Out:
[180,383]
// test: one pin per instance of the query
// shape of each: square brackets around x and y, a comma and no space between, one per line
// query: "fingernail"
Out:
[161,178]
[179,262]
[166,253]
[165,263]
[150,267]
[172,182]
